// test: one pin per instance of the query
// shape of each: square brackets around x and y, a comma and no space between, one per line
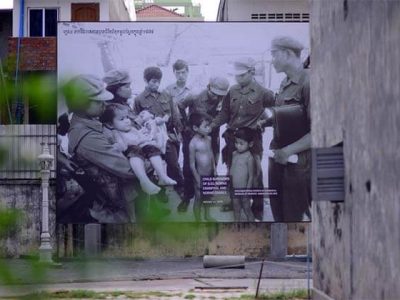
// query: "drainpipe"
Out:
[19,110]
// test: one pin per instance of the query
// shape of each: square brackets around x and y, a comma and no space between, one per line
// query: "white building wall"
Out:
[64,11]
[122,10]
[239,10]
[130,6]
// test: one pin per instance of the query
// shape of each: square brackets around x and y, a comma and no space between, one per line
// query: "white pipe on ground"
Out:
[224,261]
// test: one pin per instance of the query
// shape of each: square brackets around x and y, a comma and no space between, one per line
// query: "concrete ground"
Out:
[171,276]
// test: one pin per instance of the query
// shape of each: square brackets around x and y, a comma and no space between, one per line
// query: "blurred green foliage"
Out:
[74,95]
[10,221]
[283,295]
[85,294]
[41,92]
[34,91]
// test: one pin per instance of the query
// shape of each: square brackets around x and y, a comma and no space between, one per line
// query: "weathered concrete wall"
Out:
[187,239]
[26,196]
[181,240]
[355,96]
[297,238]
[158,240]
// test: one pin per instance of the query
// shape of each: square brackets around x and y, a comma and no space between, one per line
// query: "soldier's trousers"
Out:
[173,168]
[187,172]
[292,184]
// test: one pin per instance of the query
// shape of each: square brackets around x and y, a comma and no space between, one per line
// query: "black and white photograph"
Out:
[183,122]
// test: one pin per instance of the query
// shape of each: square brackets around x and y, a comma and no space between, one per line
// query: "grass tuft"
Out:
[290,295]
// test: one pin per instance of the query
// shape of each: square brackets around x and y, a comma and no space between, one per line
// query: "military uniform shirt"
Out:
[88,140]
[243,106]
[178,94]
[200,103]
[295,90]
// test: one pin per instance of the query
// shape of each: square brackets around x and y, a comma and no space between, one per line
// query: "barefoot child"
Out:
[201,159]
[242,172]
[142,145]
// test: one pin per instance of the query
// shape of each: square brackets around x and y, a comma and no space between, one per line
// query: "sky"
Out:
[6,4]
[209,8]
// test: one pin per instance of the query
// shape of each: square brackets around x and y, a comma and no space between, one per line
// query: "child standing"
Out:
[201,160]
[138,143]
[242,172]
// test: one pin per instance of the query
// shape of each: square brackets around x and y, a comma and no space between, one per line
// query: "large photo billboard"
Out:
[183,122]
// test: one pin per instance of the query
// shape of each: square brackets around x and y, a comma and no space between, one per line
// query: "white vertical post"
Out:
[278,242]
[45,249]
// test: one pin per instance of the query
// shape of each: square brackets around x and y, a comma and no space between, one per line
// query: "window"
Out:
[281,17]
[43,21]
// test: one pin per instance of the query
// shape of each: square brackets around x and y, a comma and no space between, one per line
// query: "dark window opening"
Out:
[50,22]
[36,22]
[43,22]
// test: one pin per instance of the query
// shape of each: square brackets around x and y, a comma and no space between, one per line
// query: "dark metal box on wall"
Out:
[328,174]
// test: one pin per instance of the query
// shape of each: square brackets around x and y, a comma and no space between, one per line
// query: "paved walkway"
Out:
[172,288]
[167,275]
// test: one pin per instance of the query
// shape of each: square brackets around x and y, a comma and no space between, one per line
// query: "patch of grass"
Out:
[150,295]
[290,295]
[85,294]
[79,294]
[189,296]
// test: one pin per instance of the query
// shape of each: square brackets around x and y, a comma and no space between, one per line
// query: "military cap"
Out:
[243,65]
[286,42]
[219,85]
[92,87]
[115,76]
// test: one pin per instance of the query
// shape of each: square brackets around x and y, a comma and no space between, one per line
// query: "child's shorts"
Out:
[144,152]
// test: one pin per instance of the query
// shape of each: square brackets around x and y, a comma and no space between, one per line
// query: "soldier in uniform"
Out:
[243,106]
[119,84]
[209,102]
[292,181]
[179,91]
[165,110]
[105,168]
